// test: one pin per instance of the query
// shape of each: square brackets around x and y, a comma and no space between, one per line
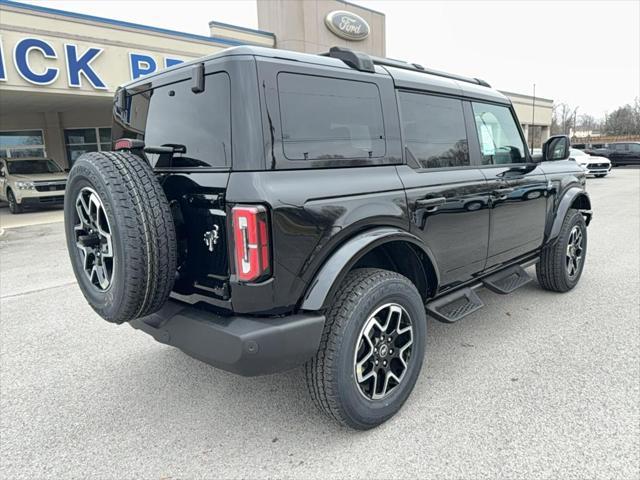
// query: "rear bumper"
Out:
[244,345]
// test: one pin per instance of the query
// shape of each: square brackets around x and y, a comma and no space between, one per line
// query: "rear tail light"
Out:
[251,234]
[127,144]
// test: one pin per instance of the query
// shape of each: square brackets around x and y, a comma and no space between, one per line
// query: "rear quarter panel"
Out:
[312,213]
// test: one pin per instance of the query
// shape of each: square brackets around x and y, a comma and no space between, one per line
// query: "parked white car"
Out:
[31,182]
[593,165]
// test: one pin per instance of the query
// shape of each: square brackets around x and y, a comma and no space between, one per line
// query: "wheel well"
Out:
[581,202]
[405,259]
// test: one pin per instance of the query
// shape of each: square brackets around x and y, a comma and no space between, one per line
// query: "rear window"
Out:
[328,118]
[173,114]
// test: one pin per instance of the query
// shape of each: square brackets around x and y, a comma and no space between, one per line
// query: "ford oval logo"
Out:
[347,25]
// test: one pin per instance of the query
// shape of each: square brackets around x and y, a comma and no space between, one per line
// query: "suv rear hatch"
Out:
[185,133]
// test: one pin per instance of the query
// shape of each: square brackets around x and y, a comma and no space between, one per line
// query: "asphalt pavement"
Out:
[535,385]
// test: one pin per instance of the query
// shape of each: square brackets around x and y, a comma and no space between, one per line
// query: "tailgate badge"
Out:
[211,237]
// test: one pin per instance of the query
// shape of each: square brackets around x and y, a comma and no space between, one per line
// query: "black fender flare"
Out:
[567,200]
[338,265]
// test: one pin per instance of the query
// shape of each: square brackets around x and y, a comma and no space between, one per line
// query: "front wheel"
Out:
[561,264]
[14,206]
[371,350]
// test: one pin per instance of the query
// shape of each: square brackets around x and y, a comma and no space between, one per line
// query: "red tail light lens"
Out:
[127,144]
[251,236]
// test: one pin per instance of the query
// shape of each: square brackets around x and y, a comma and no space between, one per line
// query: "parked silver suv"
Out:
[26,182]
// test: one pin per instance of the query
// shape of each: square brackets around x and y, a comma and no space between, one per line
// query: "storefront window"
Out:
[22,144]
[83,140]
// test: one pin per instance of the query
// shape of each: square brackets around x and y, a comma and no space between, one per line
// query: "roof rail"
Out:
[363,62]
[358,60]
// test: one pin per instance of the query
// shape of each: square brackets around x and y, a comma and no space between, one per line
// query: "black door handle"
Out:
[431,204]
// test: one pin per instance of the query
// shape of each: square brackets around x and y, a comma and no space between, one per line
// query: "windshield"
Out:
[28,167]
[577,153]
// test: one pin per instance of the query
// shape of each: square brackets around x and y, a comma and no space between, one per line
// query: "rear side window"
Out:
[500,140]
[173,114]
[329,118]
[433,130]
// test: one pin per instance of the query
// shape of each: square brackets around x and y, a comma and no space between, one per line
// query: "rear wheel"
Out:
[14,206]
[120,235]
[561,264]
[371,350]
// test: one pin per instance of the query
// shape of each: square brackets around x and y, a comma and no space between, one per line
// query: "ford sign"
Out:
[347,25]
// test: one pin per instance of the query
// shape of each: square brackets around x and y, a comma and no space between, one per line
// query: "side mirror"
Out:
[1,172]
[556,148]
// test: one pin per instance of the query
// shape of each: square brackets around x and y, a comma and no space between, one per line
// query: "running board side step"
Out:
[454,306]
[508,280]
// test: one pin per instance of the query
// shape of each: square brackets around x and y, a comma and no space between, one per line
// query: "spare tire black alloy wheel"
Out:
[93,238]
[120,235]
[383,351]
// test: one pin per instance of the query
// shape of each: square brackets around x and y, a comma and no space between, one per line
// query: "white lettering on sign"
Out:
[76,61]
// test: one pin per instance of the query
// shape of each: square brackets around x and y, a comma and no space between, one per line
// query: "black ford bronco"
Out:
[264,209]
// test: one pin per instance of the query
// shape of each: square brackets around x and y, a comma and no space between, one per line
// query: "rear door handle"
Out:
[431,204]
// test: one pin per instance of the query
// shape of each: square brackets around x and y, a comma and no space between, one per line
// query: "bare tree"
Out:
[562,119]
[587,123]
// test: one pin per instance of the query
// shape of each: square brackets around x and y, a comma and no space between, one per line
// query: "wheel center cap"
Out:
[383,350]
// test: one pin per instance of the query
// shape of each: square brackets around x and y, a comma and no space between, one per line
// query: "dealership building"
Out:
[59,69]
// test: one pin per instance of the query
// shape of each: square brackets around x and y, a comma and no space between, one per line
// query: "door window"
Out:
[330,118]
[634,147]
[22,144]
[500,140]
[433,130]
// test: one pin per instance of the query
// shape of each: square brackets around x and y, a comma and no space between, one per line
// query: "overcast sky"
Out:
[585,53]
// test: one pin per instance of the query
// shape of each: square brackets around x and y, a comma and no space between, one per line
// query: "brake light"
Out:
[251,236]
[127,144]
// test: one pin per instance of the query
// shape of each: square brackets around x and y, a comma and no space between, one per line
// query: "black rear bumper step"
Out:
[454,306]
[247,346]
[508,280]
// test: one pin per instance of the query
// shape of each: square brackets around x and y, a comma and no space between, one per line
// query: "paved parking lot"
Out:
[535,385]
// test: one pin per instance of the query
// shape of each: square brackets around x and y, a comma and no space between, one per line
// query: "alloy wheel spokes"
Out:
[93,238]
[383,351]
[575,251]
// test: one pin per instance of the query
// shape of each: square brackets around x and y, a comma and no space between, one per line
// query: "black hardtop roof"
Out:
[404,74]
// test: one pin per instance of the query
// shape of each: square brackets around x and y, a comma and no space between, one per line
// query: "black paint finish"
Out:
[464,222]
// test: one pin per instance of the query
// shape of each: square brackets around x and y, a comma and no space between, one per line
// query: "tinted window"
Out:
[433,130]
[328,118]
[500,141]
[634,147]
[29,167]
[173,114]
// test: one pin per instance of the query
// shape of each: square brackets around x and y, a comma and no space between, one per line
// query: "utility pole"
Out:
[533,118]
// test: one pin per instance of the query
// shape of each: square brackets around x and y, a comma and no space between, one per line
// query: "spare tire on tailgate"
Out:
[120,235]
